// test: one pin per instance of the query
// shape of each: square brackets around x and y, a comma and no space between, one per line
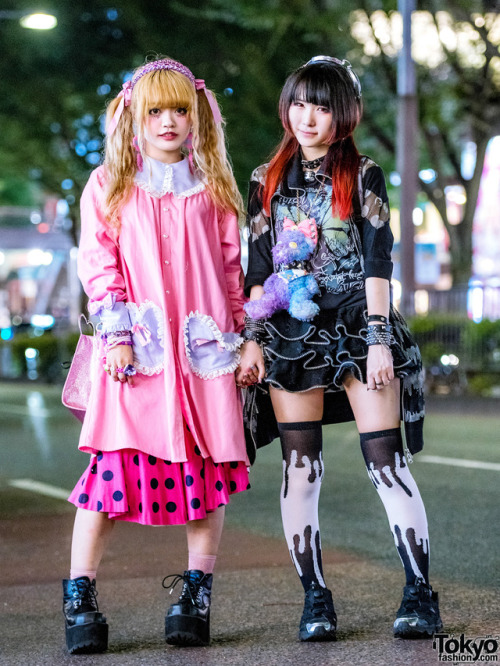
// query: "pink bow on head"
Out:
[126,98]
[307,227]
[200,85]
[166,63]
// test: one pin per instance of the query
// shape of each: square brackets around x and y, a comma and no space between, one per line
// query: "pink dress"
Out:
[176,256]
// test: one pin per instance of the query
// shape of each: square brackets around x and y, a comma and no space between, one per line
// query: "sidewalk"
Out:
[256,607]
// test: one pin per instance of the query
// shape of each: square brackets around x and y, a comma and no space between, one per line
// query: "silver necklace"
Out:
[309,166]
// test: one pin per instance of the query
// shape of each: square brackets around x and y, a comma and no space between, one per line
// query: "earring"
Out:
[140,162]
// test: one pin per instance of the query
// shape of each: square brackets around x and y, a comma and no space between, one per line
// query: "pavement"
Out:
[256,608]
[257,599]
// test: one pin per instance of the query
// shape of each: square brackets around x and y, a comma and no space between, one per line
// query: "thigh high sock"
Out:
[388,470]
[301,444]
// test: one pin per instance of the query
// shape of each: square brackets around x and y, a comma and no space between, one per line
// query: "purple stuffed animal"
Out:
[292,288]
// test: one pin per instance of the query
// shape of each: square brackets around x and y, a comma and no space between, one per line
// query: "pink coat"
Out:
[176,254]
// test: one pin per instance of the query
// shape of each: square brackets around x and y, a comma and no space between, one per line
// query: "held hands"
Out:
[379,367]
[118,359]
[251,369]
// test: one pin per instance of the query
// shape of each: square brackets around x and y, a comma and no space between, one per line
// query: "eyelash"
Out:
[300,103]
[156,111]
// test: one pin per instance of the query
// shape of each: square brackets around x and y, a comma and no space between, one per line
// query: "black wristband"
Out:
[378,318]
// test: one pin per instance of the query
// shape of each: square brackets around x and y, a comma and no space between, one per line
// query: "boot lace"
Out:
[84,592]
[190,589]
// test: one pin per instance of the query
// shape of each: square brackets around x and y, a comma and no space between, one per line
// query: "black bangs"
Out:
[313,87]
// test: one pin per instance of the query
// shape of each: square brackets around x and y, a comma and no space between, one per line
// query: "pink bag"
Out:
[76,390]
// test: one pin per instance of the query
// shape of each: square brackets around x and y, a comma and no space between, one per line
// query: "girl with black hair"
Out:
[355,359]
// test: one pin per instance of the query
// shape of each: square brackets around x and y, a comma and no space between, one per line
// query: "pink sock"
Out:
[205,563]
[78,573]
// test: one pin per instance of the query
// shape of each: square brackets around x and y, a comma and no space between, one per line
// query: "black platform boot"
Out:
[187,622]
[86,628]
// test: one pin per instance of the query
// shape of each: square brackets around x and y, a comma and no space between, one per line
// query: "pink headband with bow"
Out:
[128,86]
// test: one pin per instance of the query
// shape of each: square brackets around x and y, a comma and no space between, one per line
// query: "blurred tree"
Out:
[456,48]
[56,84]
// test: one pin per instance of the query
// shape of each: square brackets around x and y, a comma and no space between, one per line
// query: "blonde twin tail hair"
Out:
[167,89]
[210,156]
[120,160]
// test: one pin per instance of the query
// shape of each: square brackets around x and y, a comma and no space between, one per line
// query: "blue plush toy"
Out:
[292,288]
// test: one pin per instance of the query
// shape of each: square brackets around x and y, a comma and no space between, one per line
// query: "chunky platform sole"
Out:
[186,631]
[87,638]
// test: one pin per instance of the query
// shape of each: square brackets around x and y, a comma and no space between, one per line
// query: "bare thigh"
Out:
[297,407]
[374,410]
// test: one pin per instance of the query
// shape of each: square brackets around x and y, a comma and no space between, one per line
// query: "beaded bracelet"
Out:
[379,334]
[251,335]
[254,330]
[117,338]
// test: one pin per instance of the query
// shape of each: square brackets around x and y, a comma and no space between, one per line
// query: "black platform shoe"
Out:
[187,622]
[86,628]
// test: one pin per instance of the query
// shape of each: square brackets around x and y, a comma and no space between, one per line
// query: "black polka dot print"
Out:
[131,485]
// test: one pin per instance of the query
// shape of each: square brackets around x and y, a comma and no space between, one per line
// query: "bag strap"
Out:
[84,322]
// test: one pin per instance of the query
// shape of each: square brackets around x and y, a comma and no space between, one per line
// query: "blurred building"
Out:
[38,282]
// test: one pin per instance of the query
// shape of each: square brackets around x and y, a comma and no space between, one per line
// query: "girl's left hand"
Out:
[379,367]
[252,368]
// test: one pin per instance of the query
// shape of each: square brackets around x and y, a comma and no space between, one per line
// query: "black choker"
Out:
[309,166]
[312,164]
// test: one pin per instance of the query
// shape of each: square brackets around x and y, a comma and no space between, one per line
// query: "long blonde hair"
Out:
[165,88]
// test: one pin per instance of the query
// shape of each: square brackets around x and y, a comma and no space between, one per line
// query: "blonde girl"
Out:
[159,259]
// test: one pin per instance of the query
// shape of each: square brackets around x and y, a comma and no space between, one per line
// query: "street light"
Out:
[31,20]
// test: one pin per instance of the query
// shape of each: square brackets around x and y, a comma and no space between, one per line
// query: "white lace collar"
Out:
[157,178]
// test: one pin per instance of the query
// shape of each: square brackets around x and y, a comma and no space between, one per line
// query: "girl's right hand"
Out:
[251,368]
[119,358]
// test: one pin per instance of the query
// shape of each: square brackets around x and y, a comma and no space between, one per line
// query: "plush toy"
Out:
[292,288]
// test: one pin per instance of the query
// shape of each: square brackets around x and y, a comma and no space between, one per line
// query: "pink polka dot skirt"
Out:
[130,485]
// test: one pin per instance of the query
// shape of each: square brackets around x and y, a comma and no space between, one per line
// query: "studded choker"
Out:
[309,166]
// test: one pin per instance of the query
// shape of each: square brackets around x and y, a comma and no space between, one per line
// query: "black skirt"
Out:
[300,356]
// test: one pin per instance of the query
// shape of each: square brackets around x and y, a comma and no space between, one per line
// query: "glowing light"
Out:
[42,321]
[449,359]
[418,217]
[397,291]
[427,175]
[38,21]
[475,303]
[421,301]
[30,353]
[39,257]
[395,179]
